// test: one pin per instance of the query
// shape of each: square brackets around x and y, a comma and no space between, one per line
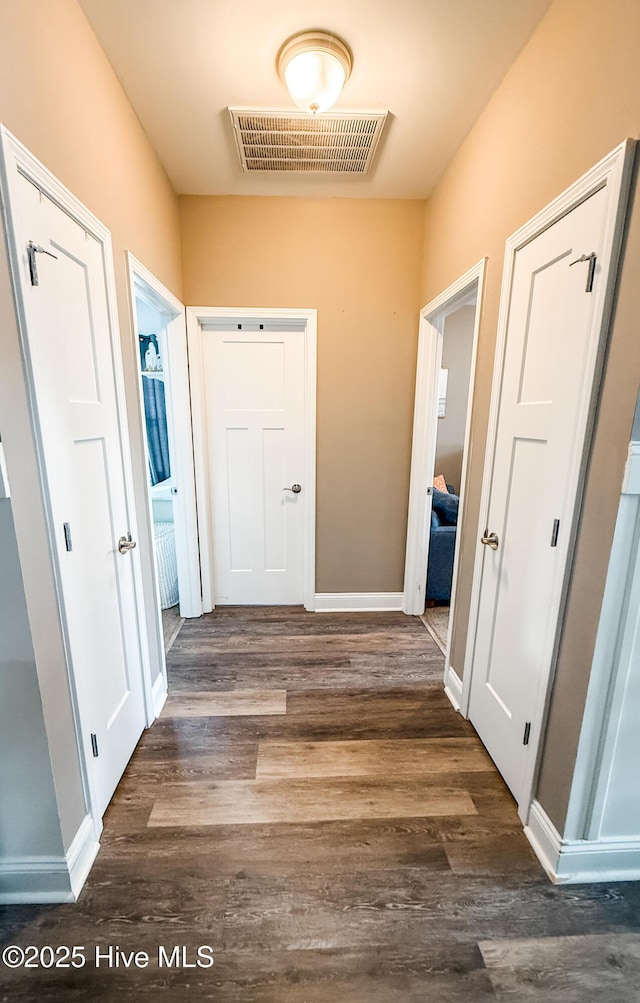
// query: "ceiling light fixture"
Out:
[315,66]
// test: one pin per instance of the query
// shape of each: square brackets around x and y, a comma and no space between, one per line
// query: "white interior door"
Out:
[547,378]
[71,348]
[254,404]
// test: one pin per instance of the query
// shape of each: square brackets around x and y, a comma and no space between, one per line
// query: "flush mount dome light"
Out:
[315,66]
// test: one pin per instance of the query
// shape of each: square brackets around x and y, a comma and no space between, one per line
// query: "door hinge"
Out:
[94,745]
[591,258]
[554,532]
[527,732]
[67,536]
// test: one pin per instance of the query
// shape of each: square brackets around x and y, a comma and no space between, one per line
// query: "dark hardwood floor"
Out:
[311,807]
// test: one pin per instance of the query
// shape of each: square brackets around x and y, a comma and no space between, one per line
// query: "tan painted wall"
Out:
[60,97]
[571,96]
[358,262]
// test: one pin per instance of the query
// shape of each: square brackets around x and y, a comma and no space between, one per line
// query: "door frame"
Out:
[17,159]
[144,285]
[613,171]
[196,317]
[465,290]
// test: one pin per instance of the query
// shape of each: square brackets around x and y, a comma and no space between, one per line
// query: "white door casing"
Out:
[144,284]
[253,396]
[548,361]
[71,348]
[465,290]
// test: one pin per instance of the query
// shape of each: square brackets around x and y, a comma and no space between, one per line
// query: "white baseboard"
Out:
[453,689]
[578,861]
[159,695]
[81,854]
[544,838]
[45,880]
[359,602]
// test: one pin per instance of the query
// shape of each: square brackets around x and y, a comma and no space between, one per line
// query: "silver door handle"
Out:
[295,488]
[125,544]
[490,539]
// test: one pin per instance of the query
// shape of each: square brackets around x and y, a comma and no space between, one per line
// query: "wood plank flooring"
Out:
[396,757]
[236,703]
[246,802]
[310,805]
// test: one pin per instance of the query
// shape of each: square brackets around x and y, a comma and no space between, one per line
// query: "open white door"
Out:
[62,284]
[555,296]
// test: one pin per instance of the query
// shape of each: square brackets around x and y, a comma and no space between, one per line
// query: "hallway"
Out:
[311,807]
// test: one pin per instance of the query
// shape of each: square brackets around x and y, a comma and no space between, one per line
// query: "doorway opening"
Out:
[442,417]
[453,397]
[160,450]
[166,424]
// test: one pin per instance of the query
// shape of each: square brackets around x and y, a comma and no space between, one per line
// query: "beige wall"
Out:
[358,263]
[60,97]
[571,96]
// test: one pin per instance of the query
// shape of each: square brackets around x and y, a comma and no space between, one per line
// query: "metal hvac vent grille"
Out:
[293,142]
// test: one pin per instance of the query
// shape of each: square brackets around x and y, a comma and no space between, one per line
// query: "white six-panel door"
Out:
[71,348]
[254,401]
[552,337]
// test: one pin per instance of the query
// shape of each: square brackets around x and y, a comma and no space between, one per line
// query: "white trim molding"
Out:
[577,861]
[603,804]
[601,799]
[159,695]
[307,320]
[45,880]
[465,291]
[453,688]
[358,602]
[144,284]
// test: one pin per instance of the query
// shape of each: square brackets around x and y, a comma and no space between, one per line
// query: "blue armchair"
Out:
[442,543]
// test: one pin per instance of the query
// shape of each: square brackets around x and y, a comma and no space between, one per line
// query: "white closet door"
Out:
[254,399]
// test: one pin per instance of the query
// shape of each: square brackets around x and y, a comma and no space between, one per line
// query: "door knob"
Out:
[490,539]
[295,488]
[125,543]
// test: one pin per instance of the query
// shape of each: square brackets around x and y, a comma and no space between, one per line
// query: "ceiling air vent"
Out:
[291,142]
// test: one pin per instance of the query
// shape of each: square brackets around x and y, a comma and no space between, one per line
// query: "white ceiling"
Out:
[433,63]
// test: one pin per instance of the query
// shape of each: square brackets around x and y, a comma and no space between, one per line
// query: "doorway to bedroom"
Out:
[442,413]
[160,451]
[166,423]
[453,399]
